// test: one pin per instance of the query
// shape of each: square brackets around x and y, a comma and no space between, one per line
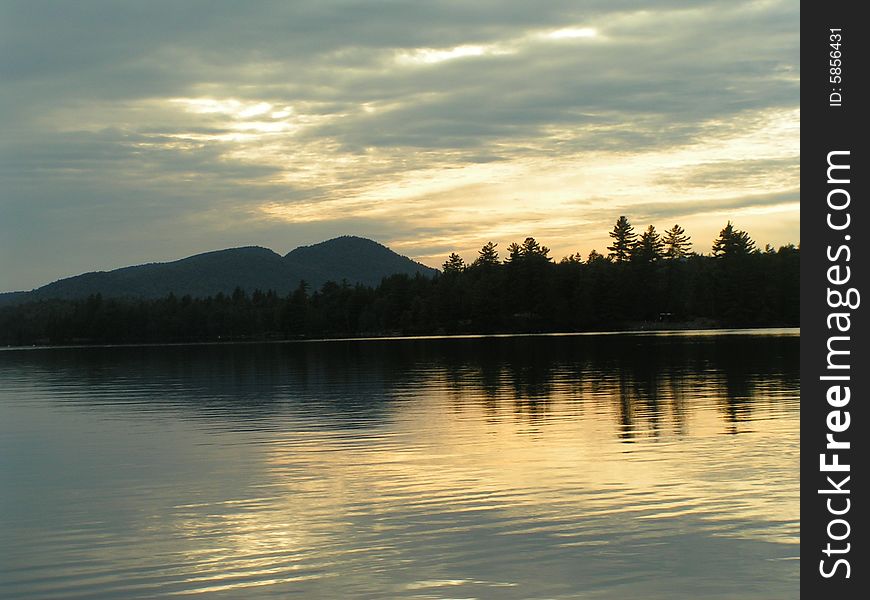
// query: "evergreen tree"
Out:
[595,256]
[484,286]
[624,239]
[677,243]
[732,243]
[531,250]
[454,264]
[486,256]
[528,293]
[575,258]
[294,314]
[649,247]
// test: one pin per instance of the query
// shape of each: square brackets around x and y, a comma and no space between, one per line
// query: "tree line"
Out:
[645,280]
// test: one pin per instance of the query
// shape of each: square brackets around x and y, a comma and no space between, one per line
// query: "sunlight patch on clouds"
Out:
[429,56]
[258,109]
[210,105]
[185,138]
[571,33]
[407,195]
[626,178]
[245,123]
[425,182]
[785,207]
[266,126]
[566,201]
[232,107]
[321,210]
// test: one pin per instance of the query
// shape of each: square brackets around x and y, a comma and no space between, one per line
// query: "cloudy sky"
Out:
[149,131]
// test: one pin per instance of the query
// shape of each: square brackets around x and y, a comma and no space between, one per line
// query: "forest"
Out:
[646,280]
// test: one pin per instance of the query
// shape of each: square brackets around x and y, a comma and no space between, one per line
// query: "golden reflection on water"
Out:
[424,472]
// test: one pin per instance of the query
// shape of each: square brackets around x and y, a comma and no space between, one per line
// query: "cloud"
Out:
[206,124]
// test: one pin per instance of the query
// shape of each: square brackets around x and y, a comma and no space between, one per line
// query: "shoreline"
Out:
[652,332]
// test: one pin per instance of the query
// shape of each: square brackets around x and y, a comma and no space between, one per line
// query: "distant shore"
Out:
[678,330]
[527,292]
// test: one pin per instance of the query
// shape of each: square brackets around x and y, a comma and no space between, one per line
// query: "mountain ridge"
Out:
[345,258]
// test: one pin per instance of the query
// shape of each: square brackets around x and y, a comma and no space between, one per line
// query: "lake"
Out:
[660,465]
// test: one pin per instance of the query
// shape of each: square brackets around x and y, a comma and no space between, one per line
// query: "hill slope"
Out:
[347,258]
[350,258]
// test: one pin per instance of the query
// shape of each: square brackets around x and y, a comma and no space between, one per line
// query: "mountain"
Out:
[350,258]
[347,258]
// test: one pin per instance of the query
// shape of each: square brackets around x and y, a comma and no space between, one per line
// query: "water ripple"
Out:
[655,466]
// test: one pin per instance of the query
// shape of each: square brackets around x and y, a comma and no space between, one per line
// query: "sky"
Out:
[141,131]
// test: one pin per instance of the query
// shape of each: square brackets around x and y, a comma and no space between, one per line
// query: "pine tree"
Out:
[532,250]
[515,254]
[486,256]
[650,246]
[454,264]
[575,258]
[677,243]
[595,256]
[624,239]
[732,242]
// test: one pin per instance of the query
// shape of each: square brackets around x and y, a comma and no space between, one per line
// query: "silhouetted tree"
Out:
[624,239]
[528,292]
[649,247]
[294,314]
[485,281]
[454,264]
[677,243]
[575,258]
[736,271]
[531,250]
[486,256]
[732,242]
[529,282]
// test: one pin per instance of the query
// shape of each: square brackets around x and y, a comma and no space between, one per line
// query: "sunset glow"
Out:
[550,125]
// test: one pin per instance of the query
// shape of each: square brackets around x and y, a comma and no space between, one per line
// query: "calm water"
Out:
[595,466]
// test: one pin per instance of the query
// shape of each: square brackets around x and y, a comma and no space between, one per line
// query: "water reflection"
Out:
[494,467]
[355,382]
